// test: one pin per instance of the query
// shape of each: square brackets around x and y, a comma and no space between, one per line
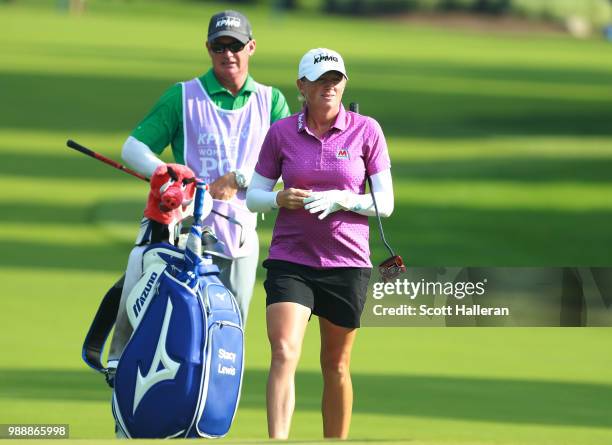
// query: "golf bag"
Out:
[180,373]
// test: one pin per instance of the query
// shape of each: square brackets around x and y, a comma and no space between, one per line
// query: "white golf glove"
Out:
[328,202]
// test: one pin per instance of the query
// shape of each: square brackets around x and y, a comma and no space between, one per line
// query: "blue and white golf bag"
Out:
[180,373]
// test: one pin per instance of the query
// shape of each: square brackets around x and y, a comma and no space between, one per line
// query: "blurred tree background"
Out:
[595,12]
[580,17]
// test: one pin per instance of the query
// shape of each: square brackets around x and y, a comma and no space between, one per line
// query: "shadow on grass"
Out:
[521,169]
[67,164]
[78,103]
[423,235]
[47,213]
[513,73]
[110,257]
[447,115]
[525,170]
[473,399]
[458,236]
[91,103]
[432,236]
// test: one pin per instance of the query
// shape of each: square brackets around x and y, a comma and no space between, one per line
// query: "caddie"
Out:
[215,125]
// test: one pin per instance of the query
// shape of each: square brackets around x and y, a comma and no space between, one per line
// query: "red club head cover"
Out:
[172,190]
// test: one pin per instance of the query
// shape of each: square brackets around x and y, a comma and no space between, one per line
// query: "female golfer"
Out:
[319,256]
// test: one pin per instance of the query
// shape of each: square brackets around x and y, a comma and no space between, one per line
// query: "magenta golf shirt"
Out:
[353,148]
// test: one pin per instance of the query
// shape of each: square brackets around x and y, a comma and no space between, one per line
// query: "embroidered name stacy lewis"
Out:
[226,355]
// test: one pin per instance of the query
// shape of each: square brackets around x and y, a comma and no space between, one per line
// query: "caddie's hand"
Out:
[328,202]
[224,188]
[292,198]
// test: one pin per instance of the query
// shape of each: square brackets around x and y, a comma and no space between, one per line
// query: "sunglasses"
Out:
[220,48]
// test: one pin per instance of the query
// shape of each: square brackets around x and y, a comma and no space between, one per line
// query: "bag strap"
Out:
[106,316]
[101,327]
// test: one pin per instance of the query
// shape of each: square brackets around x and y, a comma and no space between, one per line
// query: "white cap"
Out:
[318,61]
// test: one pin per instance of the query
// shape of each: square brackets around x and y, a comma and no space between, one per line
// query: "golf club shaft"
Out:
[354,107]
[78,147]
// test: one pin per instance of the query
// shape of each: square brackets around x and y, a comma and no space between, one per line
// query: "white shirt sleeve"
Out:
[382,186]
[260,197]
[138,156]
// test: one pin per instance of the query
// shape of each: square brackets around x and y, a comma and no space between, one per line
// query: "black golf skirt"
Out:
[336,294]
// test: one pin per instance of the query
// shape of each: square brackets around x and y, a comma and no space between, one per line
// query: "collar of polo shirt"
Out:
[340,123]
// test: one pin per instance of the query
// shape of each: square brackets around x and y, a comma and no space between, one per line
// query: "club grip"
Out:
[354,107]
[198,204]
[78,147]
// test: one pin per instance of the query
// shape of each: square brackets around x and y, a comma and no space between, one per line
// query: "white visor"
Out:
[319,61]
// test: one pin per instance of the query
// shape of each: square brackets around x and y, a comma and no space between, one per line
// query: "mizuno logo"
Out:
[228,21]
[137,307]
[325,58]
[220,296]
[162,367]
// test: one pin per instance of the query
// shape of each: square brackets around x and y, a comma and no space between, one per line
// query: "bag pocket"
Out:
[223,380]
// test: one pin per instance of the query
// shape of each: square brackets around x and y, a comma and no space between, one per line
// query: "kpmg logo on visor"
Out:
[228,22]
[324,58]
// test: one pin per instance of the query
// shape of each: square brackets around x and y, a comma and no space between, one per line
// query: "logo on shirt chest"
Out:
[342,153]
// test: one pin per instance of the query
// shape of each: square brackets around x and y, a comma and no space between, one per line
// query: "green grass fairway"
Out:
[502,155]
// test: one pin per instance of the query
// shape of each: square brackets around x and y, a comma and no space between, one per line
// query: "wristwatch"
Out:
[240,179]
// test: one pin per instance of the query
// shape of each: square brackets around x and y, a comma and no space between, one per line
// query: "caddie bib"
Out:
[219,141]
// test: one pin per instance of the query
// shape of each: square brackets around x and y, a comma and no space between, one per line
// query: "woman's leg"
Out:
[337,403]
[286,326]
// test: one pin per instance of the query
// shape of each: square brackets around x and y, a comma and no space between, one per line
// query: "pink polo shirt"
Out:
[353,147]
